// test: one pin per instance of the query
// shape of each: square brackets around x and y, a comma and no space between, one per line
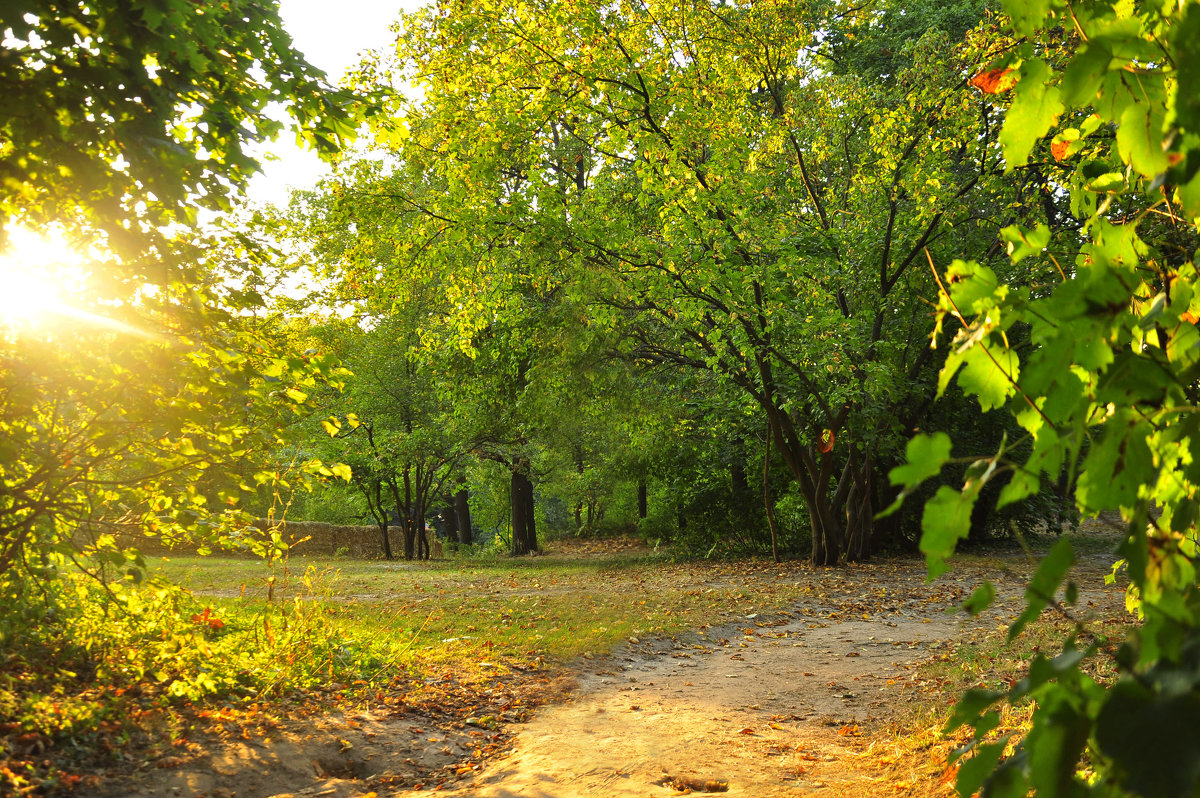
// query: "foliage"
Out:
[1105,100]
[131,120]
[78,668]
[133,116]
[117,431]
[399,435]
[711,186]
[151,406]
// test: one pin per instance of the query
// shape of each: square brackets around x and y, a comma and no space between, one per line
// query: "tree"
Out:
[1106,98]
[392,423]
[708,177]
[119,123]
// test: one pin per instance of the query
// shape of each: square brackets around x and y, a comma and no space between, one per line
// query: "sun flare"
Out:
[40,277]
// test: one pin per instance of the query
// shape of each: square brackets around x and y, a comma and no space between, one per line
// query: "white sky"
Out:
[331,35]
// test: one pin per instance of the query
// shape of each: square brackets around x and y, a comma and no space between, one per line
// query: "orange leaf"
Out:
[746,730]
[849,731]
[994,81]
[1059,149]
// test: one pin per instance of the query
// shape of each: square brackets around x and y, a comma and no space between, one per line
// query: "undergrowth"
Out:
[86,666]
[81,658]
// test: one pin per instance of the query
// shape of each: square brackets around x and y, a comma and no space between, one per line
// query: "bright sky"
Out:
[331,35]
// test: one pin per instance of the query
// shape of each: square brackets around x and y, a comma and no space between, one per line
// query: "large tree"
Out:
[714,178]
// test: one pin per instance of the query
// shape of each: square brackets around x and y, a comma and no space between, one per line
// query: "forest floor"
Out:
[837,686]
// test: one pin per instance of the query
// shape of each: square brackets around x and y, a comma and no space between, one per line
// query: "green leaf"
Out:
[980,599]
[1028,15]
[1035,108]
[1044,584]
[1022,485]
[945,521]
[1140,138]
[1115,466]
[1185,40]
[1059,734]
[925,455]
[1152,739]
[973,772]
[1023,243]
[990,374]
[974,288]
[1106,182]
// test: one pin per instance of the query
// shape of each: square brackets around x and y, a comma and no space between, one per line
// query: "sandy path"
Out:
[760,712]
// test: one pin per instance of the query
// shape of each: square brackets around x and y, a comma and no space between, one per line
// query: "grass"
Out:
[421,614]
[346,629]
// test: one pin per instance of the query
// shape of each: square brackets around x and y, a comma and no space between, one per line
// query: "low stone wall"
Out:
[302,537]
[315,537]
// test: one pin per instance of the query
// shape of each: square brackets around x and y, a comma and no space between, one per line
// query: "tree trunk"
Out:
[462,509]
[825,525]
[387,543]
[641,498]
[530,519]
[410,538]
[520,488]
[404,509]
[579,504]
[813,469]
[737,475]
[860,514]
[375,505]
[767,505]
[450,520]
[422,535]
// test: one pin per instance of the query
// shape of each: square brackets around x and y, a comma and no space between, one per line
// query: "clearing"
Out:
[594,673]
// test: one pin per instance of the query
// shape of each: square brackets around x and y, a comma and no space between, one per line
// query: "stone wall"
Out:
[317,538]
[303,537]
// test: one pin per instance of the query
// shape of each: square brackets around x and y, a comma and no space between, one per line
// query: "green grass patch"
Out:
[419,614]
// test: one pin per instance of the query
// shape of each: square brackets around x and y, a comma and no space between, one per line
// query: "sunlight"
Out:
[38,277]
[44,283]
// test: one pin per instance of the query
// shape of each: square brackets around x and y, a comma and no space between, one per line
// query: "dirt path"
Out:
[767,707]
[771,705]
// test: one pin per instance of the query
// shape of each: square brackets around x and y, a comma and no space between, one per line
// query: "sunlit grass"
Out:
[454,611]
